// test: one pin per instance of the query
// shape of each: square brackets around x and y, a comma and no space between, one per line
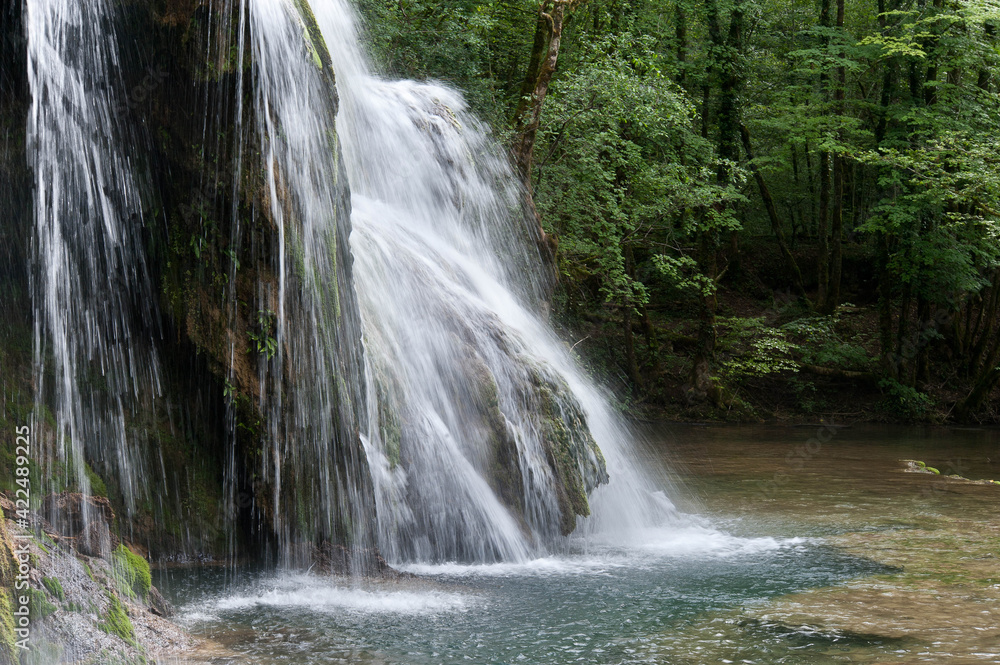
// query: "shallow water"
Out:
[689,594]
[602,607]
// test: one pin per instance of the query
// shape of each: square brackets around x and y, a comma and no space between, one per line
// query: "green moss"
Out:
[39,606]
[115,621]
[90,573]
[7,638]
[131,572]
[97,485]
[55,587]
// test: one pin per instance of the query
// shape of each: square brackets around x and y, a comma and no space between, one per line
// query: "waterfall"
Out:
[94,364]
[311,388]
[402,391]
[474,401]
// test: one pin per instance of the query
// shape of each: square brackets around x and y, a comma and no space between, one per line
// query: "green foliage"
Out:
[263,338]
[621,163]
[903,399]
[749,348]
[819,343]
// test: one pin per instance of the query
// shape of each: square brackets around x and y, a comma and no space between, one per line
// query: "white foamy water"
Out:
[649,547]
[449,280]
[325,595]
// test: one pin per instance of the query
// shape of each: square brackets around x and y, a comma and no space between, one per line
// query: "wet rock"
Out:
[96,540]
[70,512]
[87,519]
[159,605]
[340,560]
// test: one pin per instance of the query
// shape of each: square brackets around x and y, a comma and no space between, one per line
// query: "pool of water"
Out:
[685,594]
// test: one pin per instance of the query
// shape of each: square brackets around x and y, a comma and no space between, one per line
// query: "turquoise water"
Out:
[600,607]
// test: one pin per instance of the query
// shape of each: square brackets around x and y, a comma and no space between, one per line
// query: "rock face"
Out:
[221,437]
[573,457]
[83,609]
[84,519]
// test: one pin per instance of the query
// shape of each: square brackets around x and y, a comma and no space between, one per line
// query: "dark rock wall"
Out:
[183,110]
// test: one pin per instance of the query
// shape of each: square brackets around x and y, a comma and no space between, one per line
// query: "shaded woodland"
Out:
[756,209]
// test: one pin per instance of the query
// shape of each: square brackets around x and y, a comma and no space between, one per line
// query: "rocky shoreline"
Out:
[88,603]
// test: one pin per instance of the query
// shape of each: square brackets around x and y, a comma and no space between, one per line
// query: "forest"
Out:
[753,210]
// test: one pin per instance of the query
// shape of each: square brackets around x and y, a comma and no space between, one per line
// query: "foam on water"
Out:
[325,595]
[645,547]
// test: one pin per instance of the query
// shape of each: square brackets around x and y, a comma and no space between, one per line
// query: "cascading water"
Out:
[90,282]
[484,438]
[311,389]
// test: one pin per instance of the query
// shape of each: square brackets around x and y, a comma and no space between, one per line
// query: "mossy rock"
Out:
[39,606]
[131,573]
[8,649]
[115,621]
[572,451]
[54,587]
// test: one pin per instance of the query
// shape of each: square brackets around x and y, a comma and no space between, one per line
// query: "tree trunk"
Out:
[527,116]
[628,313]
[837,220]
[889,366]
[545,54]
[680,34]
[979,393]
[772,213]
[823,229]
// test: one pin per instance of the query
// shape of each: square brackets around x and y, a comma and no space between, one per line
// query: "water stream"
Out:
[91,288]
[461,365]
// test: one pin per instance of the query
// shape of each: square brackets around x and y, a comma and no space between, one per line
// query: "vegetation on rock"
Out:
[131,573]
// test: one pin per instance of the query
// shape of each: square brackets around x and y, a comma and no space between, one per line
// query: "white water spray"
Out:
[90,284]
[448,278]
